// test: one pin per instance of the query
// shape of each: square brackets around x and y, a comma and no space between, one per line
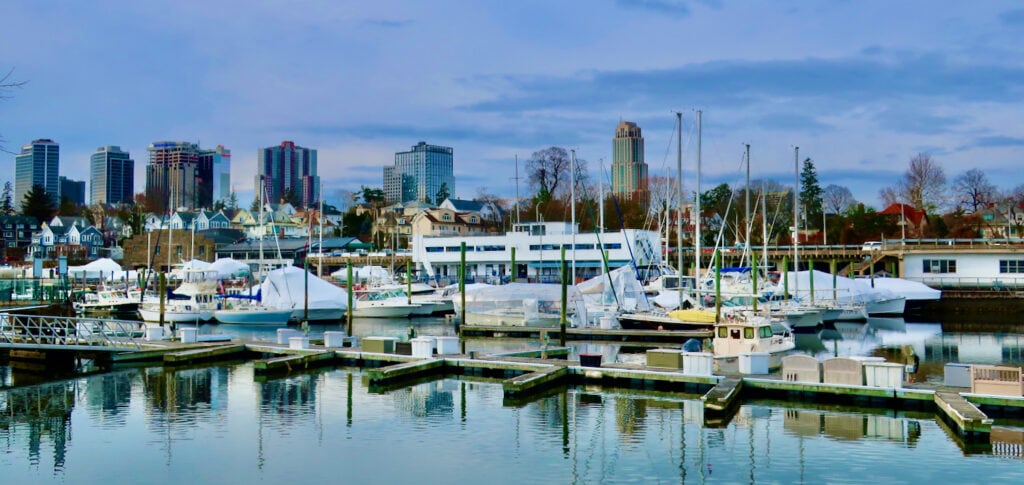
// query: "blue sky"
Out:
[859,86]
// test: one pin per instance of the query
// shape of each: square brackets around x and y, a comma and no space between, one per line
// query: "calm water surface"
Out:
[220,423]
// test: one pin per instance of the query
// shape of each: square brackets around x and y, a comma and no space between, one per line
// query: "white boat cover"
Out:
[527,299]
[94,269]
[618,286]
[364,273]
[847,290]
[228,268]
[911,290]
[283,289]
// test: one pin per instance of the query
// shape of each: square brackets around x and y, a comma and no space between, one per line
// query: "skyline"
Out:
[860,87]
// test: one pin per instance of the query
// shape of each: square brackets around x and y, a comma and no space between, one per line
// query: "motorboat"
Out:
[106,301]
[745,332]
[384,304]
[249,312]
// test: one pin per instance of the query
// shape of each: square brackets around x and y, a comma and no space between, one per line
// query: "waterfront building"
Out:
[217,163]
[37,164]
[538,252]
[111,176]
[73,190]
[148,250]
[172,175]
[629,171]
[419,174]
[288,173]
[943,264]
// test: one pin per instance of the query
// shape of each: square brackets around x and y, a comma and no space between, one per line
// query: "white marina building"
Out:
[537,248]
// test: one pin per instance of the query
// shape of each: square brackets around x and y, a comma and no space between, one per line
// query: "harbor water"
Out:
[221,423]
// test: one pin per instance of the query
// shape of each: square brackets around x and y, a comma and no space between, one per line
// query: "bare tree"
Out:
[974,191]
[837,199]
[923,185]
[6,86]
[890,195]
[546,169]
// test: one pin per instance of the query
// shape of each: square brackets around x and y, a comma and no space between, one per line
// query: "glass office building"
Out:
[419,173]
[111,176]
[37,164]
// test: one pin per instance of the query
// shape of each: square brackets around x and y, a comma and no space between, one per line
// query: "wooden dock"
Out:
[969,420]
[204,353]
[585,333]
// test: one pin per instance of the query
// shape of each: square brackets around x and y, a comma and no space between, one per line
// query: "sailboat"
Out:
[250,310]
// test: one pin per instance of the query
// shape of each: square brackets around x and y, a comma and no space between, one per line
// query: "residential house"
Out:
[182,220]
[212,220]
[17,236]
[68,221]
[71,240]
[488,210]
[1002,220]
[913,220]
[153,222]
[447,222]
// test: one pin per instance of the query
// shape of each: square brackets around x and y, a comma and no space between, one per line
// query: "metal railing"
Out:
[46,332]
[978,282]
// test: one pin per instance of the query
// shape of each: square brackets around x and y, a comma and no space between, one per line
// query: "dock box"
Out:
[422,347]
[884,374]
[154,333]
[957,375]
[667,358]
[447,345]
[753,363]
[801,368]
[380,345]
[841,370]
[698,363]
[338,339]
[997,380]
[298,343]
[189,335]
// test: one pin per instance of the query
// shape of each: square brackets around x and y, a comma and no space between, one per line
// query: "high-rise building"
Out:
[419,174]
[629,171]
[172,175]
[74,190]
[215,169]
[37,164]
[288,173]
[111,176]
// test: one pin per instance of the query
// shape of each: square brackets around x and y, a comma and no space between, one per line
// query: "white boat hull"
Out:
[890,306]
[383,311]
[176,316]
[319,314]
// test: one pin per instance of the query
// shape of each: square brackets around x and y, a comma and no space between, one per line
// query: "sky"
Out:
[859,86]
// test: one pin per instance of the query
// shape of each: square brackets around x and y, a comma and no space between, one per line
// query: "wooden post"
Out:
[565,298]
[408,283]
[305,289]
[162,287]
[835,291]
[810,274]
[512,275]
[351,309]
[785,277]
[872,272]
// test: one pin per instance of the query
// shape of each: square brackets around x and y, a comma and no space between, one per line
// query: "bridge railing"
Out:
[67,331]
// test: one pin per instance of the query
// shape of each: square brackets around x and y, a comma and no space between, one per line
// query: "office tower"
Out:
[111,176]
[629,171]
[37,164]
[288,172]
[73,190]
[215,172]
[419,173]
[172,175]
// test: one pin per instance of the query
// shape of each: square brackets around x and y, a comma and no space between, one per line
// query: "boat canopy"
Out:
[618,286]
[283,289]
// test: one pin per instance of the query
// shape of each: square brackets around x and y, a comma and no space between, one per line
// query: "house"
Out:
[212,220]
[1002,221]
[913,219]
[447,222]
[487,209]
[68,221]
[17,236]
[242,220]
[182,220]
[153,222]
[71,240]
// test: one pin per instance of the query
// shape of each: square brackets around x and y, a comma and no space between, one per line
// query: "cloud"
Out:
[793,121]
[914,120]
[999,141]
[674,8]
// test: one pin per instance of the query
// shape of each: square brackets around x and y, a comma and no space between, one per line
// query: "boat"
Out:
[192,301]
[250,312]
[917,294]
[383,304]
[746,332]
[106,301]
[283,289]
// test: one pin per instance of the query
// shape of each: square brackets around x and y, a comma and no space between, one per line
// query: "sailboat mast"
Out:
[746,248]
[259,270]
[699,222]
[572,205]
[796,219]
[320,247]
[679,199]
[764,227]
[518,219]
[600,187]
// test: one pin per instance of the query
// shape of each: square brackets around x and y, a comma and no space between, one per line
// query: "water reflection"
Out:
[36,416]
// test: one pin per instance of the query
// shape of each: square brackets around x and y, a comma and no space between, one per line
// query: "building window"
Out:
[939,266]
[613,246]
[435,249]
[1011,265]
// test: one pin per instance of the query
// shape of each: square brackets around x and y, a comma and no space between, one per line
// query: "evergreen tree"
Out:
[232,200]
[810,193]
[7,200]
[442,193]
[38,204]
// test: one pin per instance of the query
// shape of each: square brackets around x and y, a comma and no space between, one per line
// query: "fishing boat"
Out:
[745,332]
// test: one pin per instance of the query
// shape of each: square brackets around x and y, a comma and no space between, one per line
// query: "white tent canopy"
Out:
[377,274]
[100,268]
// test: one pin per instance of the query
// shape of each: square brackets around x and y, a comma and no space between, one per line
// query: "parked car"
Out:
[872,246]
